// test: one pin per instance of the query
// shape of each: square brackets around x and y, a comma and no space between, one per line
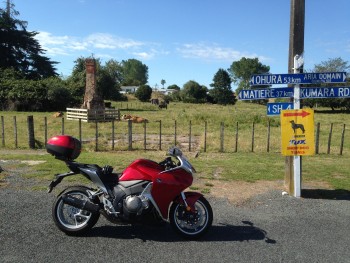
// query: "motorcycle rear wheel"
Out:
[72,220]
[191,225]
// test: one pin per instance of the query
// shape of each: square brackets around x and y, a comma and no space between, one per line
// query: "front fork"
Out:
[189,199]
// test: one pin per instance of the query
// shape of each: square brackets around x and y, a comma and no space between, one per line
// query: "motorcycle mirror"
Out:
[175,151]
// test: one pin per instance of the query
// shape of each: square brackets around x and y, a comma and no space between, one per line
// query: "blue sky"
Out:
[182,40]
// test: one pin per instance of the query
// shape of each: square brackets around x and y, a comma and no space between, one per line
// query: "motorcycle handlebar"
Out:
[167,163]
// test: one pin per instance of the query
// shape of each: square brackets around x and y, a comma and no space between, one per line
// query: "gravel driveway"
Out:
[267,228]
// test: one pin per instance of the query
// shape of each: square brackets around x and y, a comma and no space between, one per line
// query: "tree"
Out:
[20,50]
[134,73]
[242,70]
[76,81]
[58,96]
[109,80]
[162,82]
[144,93]
[174,87]
[194,93]
[221,92]
[331,65]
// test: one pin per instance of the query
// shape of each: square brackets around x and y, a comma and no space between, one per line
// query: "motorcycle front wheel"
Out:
[188,224]
[72,220]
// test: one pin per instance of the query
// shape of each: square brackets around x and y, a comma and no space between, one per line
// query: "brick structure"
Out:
[92,100]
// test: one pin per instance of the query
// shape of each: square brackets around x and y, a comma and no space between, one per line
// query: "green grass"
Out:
[250,167]
[242,113]
[213,165]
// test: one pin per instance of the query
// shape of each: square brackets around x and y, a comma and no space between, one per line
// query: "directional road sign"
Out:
[305,93]
[331,92]
[260,94]
[298,78]
[274,109]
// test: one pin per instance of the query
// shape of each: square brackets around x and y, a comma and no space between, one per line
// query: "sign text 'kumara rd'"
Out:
[305,93]
[298,78]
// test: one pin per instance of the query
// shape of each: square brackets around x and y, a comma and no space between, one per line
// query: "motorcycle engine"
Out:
[133,204]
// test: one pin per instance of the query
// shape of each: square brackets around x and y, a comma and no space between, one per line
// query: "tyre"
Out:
[188,224]
[72,220]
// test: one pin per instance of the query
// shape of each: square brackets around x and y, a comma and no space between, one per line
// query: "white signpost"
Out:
[297,158]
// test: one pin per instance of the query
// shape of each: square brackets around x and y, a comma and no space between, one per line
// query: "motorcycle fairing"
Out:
[166,184]
[141,169]
[166,187]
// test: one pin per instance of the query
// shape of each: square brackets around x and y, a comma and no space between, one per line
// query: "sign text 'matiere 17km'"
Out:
[298,78]
[305,93]
[256,94]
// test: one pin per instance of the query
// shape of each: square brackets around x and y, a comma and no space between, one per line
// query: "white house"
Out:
[128,89]
[166,91]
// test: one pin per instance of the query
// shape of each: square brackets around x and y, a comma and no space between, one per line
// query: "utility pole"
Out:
[8,7]
[296,47]
[296,33]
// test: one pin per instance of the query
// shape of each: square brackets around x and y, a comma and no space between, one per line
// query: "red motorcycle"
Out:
[145,192]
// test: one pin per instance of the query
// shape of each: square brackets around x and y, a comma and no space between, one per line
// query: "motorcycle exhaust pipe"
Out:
[81,204]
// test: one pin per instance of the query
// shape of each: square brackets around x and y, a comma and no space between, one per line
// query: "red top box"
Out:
[64,146]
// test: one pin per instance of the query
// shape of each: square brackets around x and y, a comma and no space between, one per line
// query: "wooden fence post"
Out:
[253,131]
[3,131]
[80,138]
[268,136]
[222,137]
[175,133]
[31,137]
[144,136]
[113,135]
[15,131]
[45,128]
[160,135]
[330,139]
[130,135]
[189,137]
[96,135]
[236,145]
[62,126]
[205,136]
[342,140]
[317,143]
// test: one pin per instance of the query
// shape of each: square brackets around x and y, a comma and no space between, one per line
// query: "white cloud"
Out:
[144,55]
[108,41]
[59,45]
[65,45]
[46,38]
[214,52]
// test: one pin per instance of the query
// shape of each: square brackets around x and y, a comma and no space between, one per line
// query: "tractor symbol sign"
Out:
[297,129]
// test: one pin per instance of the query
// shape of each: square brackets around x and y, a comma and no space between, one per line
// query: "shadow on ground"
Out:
[338,194]
[219,232]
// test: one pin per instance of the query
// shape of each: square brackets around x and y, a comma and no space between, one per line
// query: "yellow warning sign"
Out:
[297,129]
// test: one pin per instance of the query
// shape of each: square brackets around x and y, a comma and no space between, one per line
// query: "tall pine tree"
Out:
[20,50]
[221,92]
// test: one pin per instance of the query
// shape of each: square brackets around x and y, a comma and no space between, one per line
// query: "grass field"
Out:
[212,165]
[243,114]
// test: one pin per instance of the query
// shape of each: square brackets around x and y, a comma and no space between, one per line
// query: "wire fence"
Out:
[160,135]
